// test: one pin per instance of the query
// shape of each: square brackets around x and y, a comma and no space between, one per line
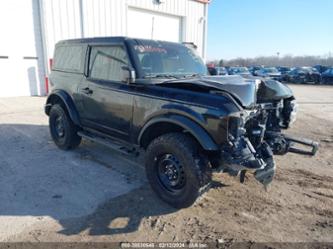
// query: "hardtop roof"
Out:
[106,39]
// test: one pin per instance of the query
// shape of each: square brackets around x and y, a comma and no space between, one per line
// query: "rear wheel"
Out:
[176,170]
[63,130]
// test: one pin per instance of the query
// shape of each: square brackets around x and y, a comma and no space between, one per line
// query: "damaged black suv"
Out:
[155,97]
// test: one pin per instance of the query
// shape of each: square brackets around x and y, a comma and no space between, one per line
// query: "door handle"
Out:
[87,90]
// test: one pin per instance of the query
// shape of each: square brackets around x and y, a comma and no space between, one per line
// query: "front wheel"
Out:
[63,130]
[176,170]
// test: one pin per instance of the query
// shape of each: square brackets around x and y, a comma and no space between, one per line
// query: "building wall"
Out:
[28,42]
[65,19]
[21,49]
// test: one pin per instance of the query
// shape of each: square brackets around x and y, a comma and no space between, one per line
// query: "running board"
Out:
[110,143]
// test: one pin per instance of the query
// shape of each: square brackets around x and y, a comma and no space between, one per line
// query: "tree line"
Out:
[287,60]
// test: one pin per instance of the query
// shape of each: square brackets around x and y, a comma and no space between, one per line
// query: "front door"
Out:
[106,101]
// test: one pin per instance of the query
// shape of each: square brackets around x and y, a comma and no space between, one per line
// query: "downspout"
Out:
[44,51]
[205,28]
[81,18]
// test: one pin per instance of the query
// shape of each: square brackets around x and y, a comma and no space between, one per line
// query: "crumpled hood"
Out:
[246,91]
[257,89]
[272,90]
[243,90]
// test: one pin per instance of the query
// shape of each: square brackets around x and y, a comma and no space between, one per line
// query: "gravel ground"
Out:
[92,194]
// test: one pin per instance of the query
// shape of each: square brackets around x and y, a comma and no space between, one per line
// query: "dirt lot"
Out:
[92,194]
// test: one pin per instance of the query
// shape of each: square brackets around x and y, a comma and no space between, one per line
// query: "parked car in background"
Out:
[253,70]
[284,70]
[327,76]
[222,71]
[303,75]
[217,70]
[242,71]
[212,70]
[270,72]
[321,69]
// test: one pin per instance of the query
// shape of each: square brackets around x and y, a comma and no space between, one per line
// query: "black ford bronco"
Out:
[155,97]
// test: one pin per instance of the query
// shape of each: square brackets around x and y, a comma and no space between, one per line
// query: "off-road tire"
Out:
[70,139]
[196,168]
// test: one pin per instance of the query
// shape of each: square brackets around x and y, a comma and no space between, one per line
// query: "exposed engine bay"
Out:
[256,135]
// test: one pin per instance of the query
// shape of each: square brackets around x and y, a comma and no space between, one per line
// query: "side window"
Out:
[69,58]
[106,62]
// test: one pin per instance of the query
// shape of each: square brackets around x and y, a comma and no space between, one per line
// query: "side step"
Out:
[110,143]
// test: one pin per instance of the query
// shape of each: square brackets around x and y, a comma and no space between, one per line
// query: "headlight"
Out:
[258,83]
[236,124]
[288,113]
[293,113]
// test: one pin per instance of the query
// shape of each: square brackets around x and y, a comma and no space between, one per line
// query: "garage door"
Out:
[18,57]
[153,25]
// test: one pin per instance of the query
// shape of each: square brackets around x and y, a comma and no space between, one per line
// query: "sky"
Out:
[250,28]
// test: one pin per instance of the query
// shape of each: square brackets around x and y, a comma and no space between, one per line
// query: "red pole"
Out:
[47,78]
[46,85]
[51,63]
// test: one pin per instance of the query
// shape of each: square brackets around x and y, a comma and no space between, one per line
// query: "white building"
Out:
[30,29]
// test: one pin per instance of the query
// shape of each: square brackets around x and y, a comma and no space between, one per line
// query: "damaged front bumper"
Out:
[254,137]
[282,144]
[241,157]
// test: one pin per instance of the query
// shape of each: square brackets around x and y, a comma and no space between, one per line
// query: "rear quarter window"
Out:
[69,58]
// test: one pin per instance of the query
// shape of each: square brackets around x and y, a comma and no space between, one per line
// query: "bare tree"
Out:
[287,60]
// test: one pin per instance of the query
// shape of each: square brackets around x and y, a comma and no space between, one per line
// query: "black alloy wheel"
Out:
[63,130]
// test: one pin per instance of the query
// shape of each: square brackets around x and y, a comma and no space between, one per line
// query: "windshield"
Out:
[329,71]
[240,70]
[308,70]
[271,70]
[158,59]
[284,69]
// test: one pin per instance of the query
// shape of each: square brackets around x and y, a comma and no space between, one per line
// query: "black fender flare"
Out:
[67,101]
[187,124]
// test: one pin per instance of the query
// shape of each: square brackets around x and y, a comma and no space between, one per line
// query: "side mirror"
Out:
[128,74]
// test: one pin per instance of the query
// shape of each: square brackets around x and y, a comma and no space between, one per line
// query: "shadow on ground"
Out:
[122,214]
[37,179]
